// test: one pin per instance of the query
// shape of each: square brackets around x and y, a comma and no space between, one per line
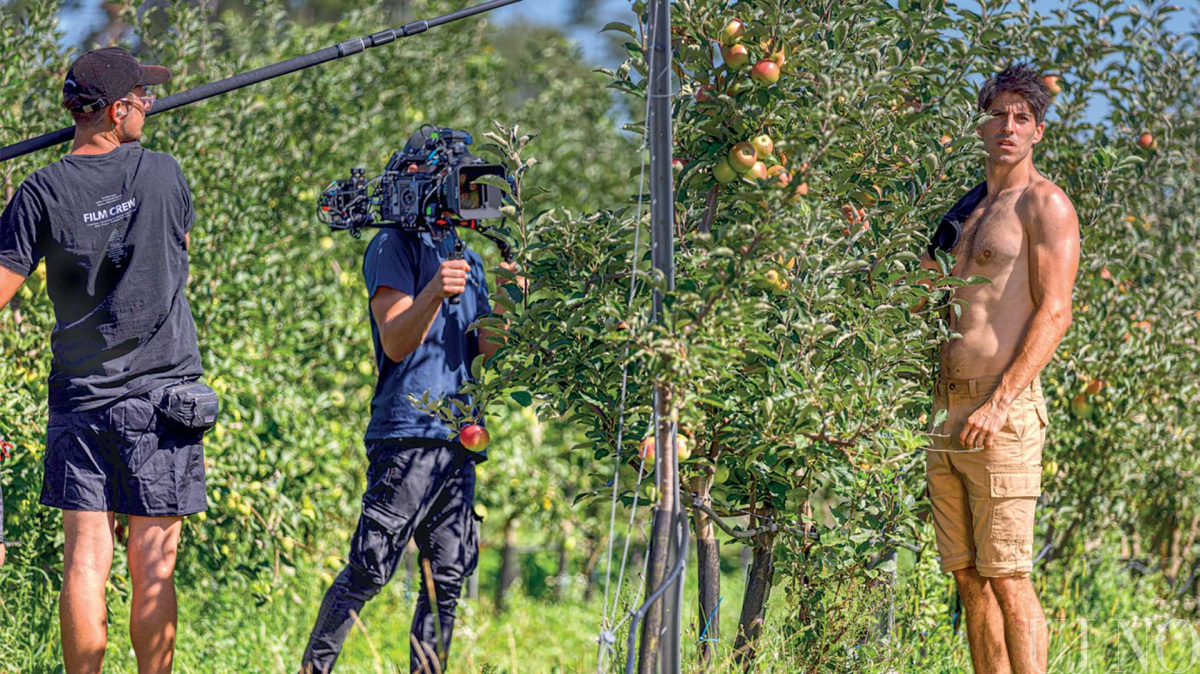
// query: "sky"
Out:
[77,23]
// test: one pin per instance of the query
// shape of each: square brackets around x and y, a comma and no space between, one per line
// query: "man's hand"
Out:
[450,279]
[926,263]
[983,425]
[522,283]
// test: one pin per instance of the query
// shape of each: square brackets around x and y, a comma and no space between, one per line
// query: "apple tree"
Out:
[819,143]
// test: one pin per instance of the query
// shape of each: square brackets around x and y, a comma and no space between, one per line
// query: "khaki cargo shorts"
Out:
[983,502]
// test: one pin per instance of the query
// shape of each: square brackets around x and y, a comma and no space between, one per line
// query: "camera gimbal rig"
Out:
[433,185]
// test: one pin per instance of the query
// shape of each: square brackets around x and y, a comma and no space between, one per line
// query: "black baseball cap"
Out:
[101,77]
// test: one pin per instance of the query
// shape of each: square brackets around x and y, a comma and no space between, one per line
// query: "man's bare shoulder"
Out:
[1044,205]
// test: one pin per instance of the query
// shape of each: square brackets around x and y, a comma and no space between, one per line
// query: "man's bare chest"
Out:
[993,239]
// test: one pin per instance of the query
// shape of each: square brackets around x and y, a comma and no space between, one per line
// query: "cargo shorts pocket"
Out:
[139,430]
[1013,509]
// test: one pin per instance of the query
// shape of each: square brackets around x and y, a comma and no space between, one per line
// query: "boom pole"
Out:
[347,48]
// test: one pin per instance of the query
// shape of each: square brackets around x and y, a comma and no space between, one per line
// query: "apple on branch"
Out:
[733,32]
[474,437]
[723,172]
[1051,83]
[763,145]
[758,171]
[683,449]
[736,56]
[765,71]
[743,157]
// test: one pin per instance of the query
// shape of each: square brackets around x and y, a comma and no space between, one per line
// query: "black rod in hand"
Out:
[228,84]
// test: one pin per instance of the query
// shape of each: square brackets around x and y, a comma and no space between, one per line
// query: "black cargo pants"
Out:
[420,489]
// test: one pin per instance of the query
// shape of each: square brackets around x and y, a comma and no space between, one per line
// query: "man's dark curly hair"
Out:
[1018,79]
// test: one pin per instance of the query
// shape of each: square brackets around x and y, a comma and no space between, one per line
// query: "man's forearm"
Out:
[1046,331]
[403,333]
[10,283]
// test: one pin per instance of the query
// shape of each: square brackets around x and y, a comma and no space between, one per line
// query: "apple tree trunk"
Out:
[754,604]
[708,557]
[509,564]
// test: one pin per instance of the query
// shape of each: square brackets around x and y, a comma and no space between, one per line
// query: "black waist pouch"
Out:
[191,405]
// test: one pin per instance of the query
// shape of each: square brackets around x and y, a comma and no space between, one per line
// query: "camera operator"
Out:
[419,484]
[111,219]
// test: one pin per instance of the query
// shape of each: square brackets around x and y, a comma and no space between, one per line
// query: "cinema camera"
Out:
[434,185]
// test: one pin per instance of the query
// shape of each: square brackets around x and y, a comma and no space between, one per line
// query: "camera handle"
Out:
[459,247]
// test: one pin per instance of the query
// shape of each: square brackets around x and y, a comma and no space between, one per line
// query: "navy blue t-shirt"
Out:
[112,230]
[442,363]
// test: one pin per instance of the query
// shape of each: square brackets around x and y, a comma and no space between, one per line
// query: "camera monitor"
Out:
[474,200]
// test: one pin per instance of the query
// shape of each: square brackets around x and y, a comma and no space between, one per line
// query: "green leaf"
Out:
[495,181]
[620,28]
[523,398]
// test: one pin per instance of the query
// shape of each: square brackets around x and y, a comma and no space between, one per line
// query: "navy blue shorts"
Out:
[126,458]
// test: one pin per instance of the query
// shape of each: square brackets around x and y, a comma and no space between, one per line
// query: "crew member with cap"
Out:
[111,221]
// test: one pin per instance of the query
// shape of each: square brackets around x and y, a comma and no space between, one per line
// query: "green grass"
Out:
[224,631]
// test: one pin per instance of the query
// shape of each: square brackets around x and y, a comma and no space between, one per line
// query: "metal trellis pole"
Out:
[661,629]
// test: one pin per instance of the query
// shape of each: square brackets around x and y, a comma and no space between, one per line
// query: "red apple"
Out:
[723,172]
[759,171]
[733,32]
[474,437]
[802,190]
[647,450]
[1051,83]
[946,140]
[742,157]
[682,449]
[677,164]
[765,71]
[702,95]
[1148,141]
[763,145]
[736,56]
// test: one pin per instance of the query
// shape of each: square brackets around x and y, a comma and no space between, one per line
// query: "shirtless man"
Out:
[984,460]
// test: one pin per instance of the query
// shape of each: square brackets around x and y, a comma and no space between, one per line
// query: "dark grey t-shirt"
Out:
[111,228]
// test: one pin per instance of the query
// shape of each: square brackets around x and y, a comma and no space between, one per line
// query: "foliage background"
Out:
[770,377]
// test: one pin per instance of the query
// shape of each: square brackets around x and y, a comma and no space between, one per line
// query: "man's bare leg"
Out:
[87,559]
[985,623]
[153,543]
[1025,629]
